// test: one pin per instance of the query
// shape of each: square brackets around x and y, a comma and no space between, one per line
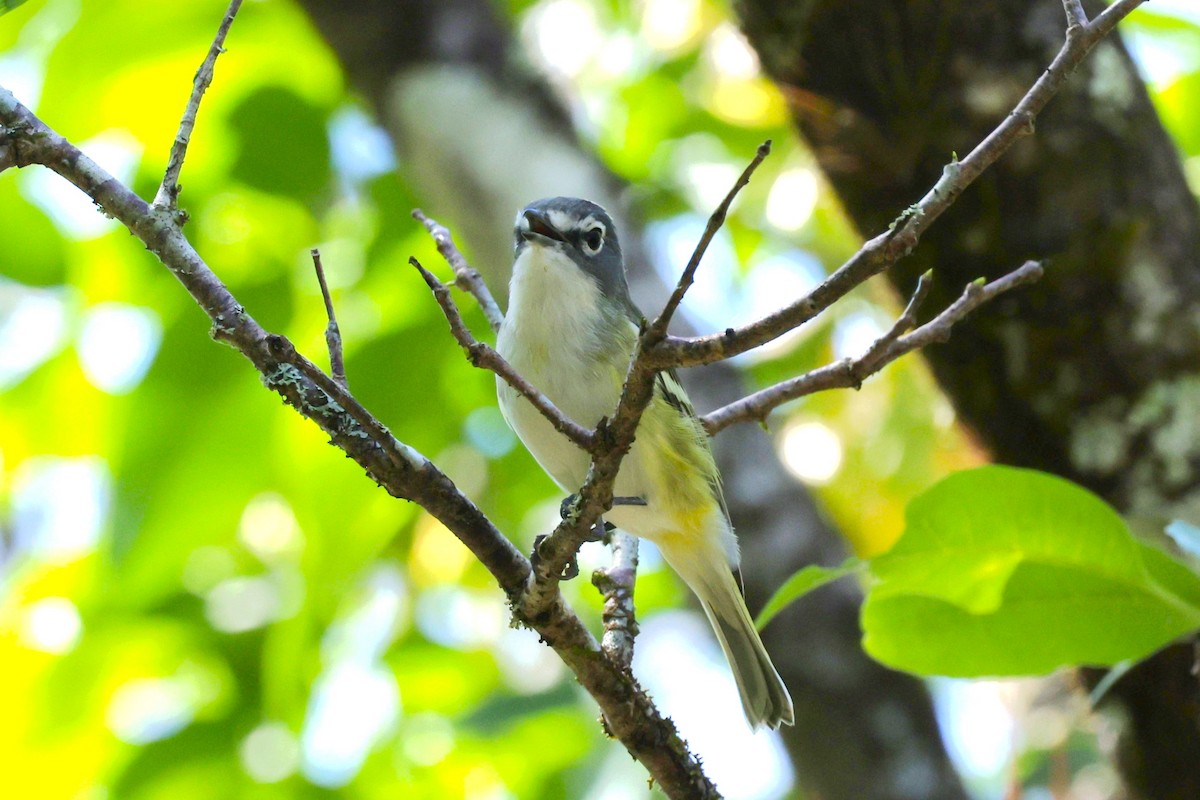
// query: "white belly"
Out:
[556,348]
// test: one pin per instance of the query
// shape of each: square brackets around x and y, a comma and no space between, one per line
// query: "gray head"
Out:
[582,231]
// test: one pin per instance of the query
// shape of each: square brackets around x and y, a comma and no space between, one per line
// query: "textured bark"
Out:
[1093,372]
[479,138]
[628,712]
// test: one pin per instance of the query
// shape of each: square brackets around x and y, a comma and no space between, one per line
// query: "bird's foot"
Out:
[570,570]
[599,532]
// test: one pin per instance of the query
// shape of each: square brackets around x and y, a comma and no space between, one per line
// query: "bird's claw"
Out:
[599,532]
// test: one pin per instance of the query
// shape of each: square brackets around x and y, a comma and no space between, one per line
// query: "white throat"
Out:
[553,312]
[553,335]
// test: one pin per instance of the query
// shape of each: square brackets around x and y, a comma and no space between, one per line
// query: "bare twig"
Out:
[850,373]
[886,249]
[466,277]
[1076,16]
[616,583]
[333,336]
[659,327]
[168,192]
[629,713]
[613,437]
[485,356]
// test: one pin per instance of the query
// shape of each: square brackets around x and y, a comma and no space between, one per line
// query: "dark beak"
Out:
[540,226]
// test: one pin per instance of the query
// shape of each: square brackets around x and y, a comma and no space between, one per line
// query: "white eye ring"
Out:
[592,241]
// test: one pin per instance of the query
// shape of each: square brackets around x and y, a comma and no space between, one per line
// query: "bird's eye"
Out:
[593,239]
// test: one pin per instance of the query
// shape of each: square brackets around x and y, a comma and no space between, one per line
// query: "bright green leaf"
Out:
[800,584]
[1004,571]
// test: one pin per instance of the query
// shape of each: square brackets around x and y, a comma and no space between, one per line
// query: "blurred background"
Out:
[199,597]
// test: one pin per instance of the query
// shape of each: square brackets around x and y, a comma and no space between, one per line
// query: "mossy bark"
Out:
[436,70]
[1093,373]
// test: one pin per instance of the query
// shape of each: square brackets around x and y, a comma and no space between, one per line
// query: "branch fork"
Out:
[601,667]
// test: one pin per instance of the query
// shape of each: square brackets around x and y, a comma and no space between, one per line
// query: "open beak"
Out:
[538,225]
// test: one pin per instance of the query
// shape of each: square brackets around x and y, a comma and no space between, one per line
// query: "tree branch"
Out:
[405,473]
[884,250]
[850,373]
[168,192]
[485,356]
[616,583]
[659,327]
[466,277]
[333,336]
[1076,16]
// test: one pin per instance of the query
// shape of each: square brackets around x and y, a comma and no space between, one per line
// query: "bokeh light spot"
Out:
[811,451]
[270,753]
[51,625]
[117,345]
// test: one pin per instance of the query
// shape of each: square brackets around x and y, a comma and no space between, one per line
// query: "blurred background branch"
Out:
[204,621]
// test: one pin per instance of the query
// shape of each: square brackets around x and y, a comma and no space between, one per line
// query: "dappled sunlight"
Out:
[200,598]
[117,344]
[33,327]
[810,450]
[117,151]
[698,692]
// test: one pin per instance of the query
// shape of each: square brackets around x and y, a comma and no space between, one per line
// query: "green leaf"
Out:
[9,5]
[800,584]
[1004,571]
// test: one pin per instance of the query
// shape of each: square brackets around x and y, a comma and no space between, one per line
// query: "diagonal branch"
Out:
[484,356]
[659,327]
[1076,16]
[883,251]
[466,277]
[168,192]
[850,373]
[629,713]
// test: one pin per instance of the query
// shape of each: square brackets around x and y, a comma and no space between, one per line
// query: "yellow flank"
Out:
[686,475]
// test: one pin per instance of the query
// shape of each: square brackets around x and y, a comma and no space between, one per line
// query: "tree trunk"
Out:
[1093,372]
[479,138]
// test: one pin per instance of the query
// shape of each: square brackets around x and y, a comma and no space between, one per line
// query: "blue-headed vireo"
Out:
[570,330]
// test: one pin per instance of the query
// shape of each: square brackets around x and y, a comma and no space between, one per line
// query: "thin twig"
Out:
[628,712]
[850,373]
[616,583]
[613,437]
[1075,14]
[168,192]
[715,221]
[333,336]
[466,277]
[884,250]
[486,357]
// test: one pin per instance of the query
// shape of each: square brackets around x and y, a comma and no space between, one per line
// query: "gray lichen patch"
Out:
[1112,87]
[1151,445]
[1152,294]
[1099,439]
[1175,441]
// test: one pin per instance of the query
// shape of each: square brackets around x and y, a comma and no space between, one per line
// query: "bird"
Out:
[570,330]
